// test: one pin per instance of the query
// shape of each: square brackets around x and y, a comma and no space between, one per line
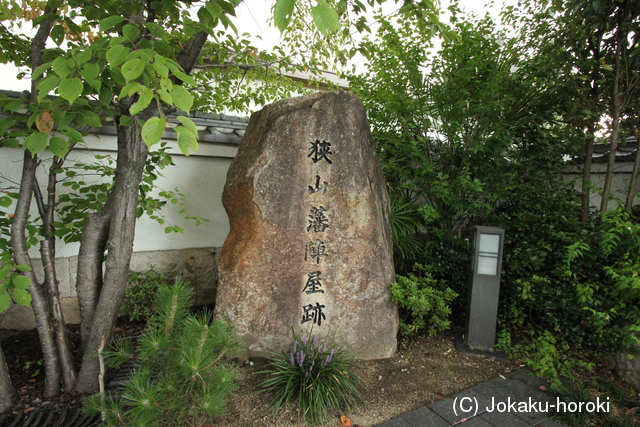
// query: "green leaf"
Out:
[325,17]
[15,105]
[125,121]
[160,68]
[36,142]
[58,146]
[228,7]
[23,267]
[5,201]
[143,102]
[110,22]
[41,69]
[71,133]
[133,68]
[90,118]
[181,98]
[61,67]
[282,13]
[188,123]
[131,32]
[5,301]
[70,89]
[105,96]
[82,57]
[180,74]
[152,130]
[21,297]
[165,96]
[90,71]
[214,9]
[40,19]
[186,140]
[46,85]
[117,55]
[21,282]
[130,89]
[57,34]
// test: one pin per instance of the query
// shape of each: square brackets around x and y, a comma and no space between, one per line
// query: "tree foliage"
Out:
[479,133]
[130,64]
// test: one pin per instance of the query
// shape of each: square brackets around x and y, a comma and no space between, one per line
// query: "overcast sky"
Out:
[252,19]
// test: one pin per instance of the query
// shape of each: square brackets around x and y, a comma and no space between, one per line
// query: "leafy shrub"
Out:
[141,292]
[314,375]
[616,410]
[180,377]
[577,283]
[424,302]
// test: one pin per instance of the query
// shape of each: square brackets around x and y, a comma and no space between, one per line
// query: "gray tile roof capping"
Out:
[220,128]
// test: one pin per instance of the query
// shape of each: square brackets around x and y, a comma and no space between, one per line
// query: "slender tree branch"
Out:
[188,56]
[264,64]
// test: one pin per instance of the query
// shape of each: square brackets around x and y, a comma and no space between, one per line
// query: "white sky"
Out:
[253,19]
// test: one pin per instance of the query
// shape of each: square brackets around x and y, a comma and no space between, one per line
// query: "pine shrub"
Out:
[180,376]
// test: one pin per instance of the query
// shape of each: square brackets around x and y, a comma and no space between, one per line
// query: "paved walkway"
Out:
[512,400]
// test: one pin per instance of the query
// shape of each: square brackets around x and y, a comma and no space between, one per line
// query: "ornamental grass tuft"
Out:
[314,375]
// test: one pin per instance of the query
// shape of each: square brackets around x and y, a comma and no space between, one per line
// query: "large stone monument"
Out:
[310,241]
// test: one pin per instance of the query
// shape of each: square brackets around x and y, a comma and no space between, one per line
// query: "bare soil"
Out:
[424,370]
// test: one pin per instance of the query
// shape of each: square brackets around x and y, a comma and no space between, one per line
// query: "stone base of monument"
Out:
[464,348]
[309,246]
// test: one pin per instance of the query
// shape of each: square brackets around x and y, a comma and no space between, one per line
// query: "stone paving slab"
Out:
[459,406]
[509,400]
[503,419]
[424,417]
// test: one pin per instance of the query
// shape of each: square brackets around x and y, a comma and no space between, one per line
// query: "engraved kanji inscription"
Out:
[313,314]
[314,283]
[315,250]
[317,220]
[320,150]
[317,188]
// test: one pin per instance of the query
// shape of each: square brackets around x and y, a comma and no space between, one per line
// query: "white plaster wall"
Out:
[200,177]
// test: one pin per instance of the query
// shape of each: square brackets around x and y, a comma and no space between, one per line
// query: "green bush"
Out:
[180,378]
[423,302]
[314,375]
[141,292]
[616,407]
[577,283]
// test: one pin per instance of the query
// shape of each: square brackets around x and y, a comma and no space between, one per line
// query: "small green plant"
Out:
[424,302]
[314,375]
[141,292]
[604,404]
[180,378]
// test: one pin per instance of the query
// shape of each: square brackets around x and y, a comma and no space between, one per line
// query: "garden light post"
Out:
[485,288]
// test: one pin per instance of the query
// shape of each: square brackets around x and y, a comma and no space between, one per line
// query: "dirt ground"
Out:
[424,370]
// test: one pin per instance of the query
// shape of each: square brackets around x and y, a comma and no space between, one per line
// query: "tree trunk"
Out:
[57,318]
[8,395]
[132,155]
[90,258]
[631,194]
[616,110]
[21,256]
[586,173]
[47,251]
[113,228]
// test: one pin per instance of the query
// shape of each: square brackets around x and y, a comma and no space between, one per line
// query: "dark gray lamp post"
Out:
[485,288]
